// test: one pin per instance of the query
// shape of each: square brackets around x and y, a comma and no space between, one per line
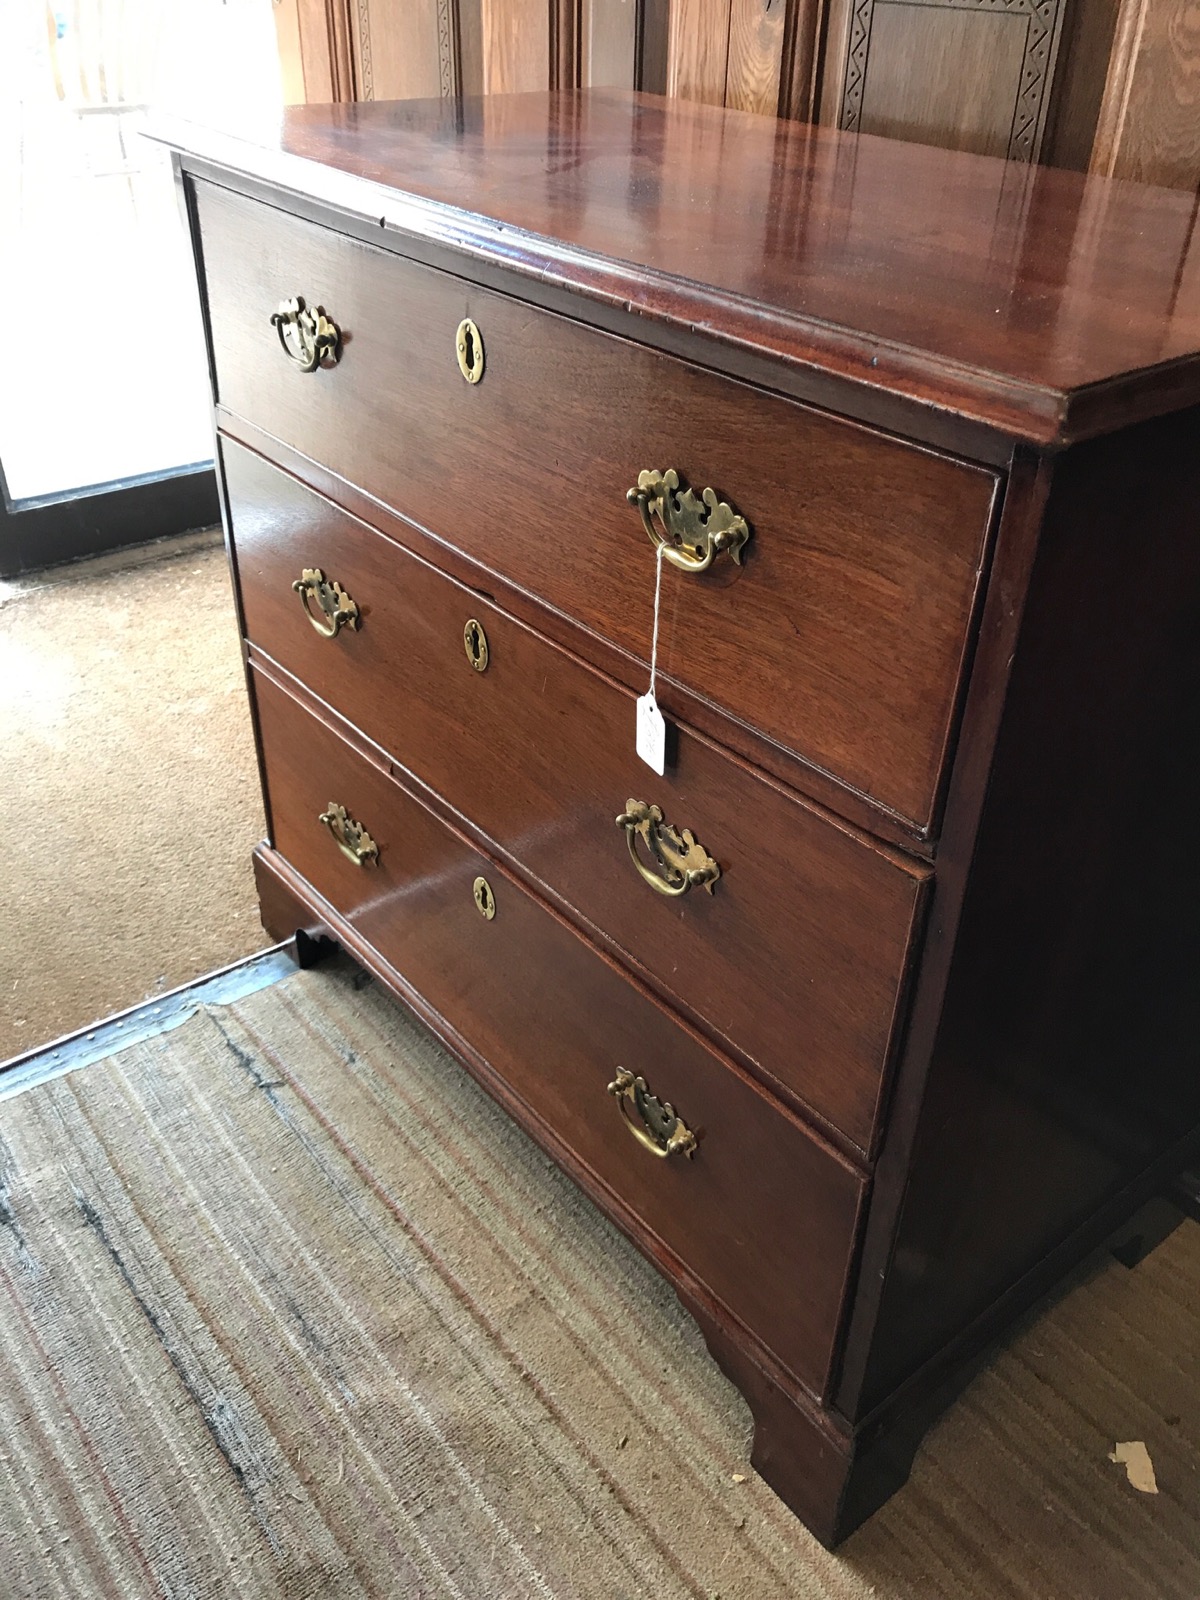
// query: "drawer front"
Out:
[798,954]
[763,1215]
[842,634]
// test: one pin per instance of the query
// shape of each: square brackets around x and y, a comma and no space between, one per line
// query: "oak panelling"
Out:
[756,29]
[396,49]
[516,45]
[842,636]
[1149,126]
[698,50]
[959,73]
[943,77]
[609,44]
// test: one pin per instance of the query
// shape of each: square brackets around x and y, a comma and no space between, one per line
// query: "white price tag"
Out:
[651,734]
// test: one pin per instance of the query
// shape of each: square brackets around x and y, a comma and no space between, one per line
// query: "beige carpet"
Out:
[128,788]
[291,1309]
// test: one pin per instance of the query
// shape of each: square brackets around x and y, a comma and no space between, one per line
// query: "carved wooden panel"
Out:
[970,74]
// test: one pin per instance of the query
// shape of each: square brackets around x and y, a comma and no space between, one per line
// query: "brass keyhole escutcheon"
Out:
[468,346]
[476,645]
[485,900]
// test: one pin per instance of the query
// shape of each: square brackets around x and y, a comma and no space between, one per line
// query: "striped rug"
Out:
[291,1309]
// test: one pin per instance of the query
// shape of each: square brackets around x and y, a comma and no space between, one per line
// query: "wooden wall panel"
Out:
[396,50]
[698,50]
[1149,126]
[516,45]
[755,55]
[967,74]
[609,44]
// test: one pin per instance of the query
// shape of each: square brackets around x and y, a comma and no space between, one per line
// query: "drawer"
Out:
[841,636]
[799,953]
[763,1215]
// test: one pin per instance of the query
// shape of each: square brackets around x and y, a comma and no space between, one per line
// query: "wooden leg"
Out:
[285,917]
[830,1478]
[1146,1230]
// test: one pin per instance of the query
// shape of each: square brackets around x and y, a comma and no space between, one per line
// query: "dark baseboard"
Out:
[57,528]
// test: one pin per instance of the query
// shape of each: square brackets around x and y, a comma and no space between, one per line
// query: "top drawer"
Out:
[841,636]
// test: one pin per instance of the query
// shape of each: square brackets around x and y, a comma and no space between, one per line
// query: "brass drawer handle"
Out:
[352,839]
[681,863]
[692,532]
[309,338]
[652,1122]
[337,610]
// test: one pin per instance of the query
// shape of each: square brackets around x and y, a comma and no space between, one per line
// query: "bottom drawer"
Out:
[760,1212]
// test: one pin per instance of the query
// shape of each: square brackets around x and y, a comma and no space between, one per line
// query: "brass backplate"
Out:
[485,900]
[475,643]
[468,347]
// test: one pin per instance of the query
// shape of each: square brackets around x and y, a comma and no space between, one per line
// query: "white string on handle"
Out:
[658,559]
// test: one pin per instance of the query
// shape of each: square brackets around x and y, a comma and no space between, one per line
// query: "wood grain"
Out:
[698,50]
[831,914]
[609,30]
[843,635]
[516,45]
[756,29]
[1149,123]
[764,1214]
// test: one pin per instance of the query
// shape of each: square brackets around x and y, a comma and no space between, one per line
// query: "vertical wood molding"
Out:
[449,50]
[1149,123]
[800,64]
[516,45]
[565,43]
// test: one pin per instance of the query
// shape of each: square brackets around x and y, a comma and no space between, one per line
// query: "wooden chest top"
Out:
[1043,304]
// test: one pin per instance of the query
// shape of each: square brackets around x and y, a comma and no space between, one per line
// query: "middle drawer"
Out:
[797,956]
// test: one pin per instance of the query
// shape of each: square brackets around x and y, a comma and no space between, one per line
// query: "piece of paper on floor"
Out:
[1139,1468]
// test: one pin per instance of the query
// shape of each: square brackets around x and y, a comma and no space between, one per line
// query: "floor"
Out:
[129,799]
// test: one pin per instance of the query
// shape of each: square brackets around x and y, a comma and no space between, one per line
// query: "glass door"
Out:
[105,434]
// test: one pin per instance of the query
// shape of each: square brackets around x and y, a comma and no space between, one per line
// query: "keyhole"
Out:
[485,901]
[468,345]
[476,645]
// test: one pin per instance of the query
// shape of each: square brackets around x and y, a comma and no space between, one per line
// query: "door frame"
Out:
[49,529]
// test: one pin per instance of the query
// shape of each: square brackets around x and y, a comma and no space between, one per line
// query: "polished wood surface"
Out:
[1064,1067]
[830,913]
[765,1216]
[843,634]
[1040,1085]
[1044,303]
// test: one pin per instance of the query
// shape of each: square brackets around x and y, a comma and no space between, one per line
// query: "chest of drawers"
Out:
[875,1012]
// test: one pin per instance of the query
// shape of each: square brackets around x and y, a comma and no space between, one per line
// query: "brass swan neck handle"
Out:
[691,531]
[679,862]
[308,337]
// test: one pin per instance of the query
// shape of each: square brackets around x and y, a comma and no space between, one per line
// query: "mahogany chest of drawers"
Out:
[877,1011]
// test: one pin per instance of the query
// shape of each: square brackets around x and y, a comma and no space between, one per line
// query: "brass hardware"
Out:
[309,338]
[658,1127]
[468,346]
[352,839]
[337,609]
[485,900]
[692,532]
[682,863]
[476,645]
